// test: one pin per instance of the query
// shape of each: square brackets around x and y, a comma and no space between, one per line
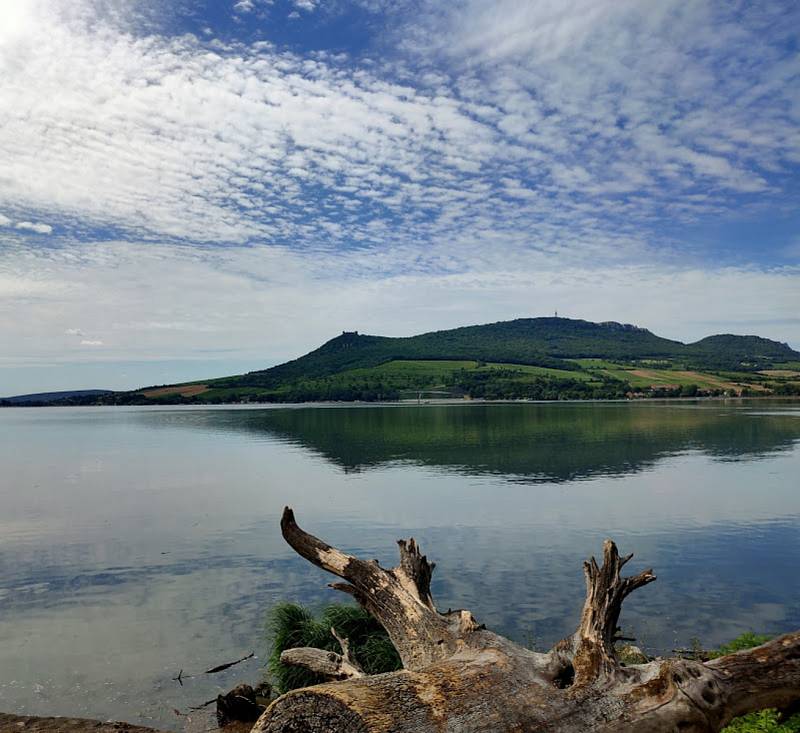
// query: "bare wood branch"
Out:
[330,665]
[400,598]
[346,656]
[414,567]
[593,643]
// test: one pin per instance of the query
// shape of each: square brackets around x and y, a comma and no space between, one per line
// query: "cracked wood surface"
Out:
[458,677]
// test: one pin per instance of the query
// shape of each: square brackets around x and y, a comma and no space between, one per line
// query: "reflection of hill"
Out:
[529,442]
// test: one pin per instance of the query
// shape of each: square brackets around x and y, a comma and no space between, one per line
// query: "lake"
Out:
[139,542]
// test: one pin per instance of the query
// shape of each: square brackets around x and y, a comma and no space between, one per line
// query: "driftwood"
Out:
[330,665]
[458,677]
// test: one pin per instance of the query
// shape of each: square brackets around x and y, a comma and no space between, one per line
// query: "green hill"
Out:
[73,396]
[533,358]
[753,351]
[527,358]
[544,342]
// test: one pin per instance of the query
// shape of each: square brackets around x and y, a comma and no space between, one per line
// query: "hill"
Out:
[747,351]
[527,358]
[532,341]
[50,398]
[534,358]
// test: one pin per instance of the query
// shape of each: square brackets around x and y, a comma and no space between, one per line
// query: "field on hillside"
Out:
[183,390]
[430,370]
[406,378]
[644,377]
[393,380]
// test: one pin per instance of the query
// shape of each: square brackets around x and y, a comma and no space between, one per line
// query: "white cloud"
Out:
[617,108]
[172,302]
[37,227]
[512,159]
[693,85]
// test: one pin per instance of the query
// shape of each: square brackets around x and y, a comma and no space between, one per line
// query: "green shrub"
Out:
[744,641]
[764,721]
[290,625]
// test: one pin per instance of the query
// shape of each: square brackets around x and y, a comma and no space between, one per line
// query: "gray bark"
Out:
[330,665]
[458,677]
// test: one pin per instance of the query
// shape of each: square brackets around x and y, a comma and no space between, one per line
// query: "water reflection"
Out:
[134,543]
[533,442]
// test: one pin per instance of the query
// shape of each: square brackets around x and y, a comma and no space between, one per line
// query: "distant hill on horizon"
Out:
[535,358]
[53,397]
[546,341]
[525,358]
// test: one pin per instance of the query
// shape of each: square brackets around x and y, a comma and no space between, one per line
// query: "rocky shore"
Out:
[30,724]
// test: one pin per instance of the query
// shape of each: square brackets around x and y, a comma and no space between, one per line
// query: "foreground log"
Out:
[458,677]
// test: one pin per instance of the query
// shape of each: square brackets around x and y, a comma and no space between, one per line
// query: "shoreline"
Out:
[10,723]
[433,402]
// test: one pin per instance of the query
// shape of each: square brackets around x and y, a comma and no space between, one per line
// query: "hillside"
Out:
[533,358]
[527,358]
[545,342]
[50,398]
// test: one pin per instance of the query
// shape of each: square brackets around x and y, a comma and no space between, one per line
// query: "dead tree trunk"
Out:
[458,677]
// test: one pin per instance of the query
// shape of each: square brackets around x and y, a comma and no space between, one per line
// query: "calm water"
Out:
[138,542]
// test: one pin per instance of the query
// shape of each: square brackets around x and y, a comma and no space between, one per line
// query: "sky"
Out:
[194,188]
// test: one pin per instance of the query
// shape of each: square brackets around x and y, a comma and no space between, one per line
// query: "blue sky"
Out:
[194,188]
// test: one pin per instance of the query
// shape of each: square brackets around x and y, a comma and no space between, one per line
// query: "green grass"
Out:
[660,375]
[763,721]
[232,393]
[434,368]
[597,364]
[744,641]
[396,379]
[404,378]
[290,625]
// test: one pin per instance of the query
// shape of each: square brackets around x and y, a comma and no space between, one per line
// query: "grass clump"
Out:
[744,641]
[290,625]
[763,721]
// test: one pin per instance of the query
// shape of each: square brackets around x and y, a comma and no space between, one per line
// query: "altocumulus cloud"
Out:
[37,227]
[648,112]
[474,163]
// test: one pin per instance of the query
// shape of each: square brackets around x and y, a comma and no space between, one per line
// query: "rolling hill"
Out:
[527,358]
[50,398]
[534,358]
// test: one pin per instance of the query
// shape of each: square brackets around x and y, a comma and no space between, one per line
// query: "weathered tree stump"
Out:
[458,677]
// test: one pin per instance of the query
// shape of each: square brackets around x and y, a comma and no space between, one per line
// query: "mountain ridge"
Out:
[524,358]
[544,341]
